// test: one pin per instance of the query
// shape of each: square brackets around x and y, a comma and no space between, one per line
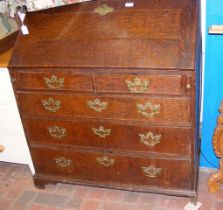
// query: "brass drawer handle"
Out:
[57,132]
[148,109]
[151,171]
[103,10]
[105,161]
[51,105]
[101,131]
[137,85]
[62,162]
[54,82]
[149,139]
[97,105]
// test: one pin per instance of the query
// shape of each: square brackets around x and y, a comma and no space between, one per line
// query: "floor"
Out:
[18,193]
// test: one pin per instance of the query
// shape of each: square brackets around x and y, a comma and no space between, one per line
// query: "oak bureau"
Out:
[109,94]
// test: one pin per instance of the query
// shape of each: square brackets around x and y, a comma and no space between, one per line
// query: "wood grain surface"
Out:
[112,100]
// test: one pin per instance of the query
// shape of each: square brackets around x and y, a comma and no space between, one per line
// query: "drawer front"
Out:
[142,83]
[102,134]
[110,168]
[149,109]
[53,80]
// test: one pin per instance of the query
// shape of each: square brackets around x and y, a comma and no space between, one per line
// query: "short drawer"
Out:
[53,80]
[149,109]
[109,135]
[113,168]
[141,83]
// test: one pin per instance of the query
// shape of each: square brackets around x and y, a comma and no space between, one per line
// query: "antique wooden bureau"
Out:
[109,94]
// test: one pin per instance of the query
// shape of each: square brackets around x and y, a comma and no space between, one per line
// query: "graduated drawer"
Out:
[150,109]
[142,83]
[53,80]
[111,168]
[112,135]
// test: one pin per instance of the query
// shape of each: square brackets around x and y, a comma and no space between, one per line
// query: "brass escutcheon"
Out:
[51,105]
[105,161]
[148,109]
[103,10]
[57,132]
[101,131]
[137,85]
[188,86]
[62,162]
[97,105]
[13,79]
[54,82]
[149,139]
[151,171]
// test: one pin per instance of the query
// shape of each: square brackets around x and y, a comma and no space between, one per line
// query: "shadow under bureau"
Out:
[109,95]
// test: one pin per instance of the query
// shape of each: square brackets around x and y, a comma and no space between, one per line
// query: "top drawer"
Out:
[53,80]
[133,83]
[159,83]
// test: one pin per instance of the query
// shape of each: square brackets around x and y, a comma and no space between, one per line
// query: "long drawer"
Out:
[150,109]
[107,134]
[147,83]
[108,168]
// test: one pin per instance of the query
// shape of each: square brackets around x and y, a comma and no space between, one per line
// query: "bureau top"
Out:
[152,34]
